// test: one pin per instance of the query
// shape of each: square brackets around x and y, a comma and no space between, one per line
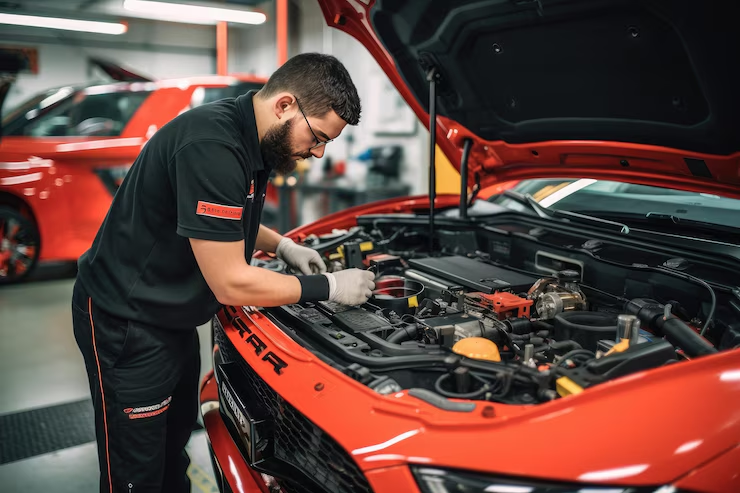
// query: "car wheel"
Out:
[19,246]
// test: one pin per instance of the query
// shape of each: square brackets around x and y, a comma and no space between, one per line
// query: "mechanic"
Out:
[176,245]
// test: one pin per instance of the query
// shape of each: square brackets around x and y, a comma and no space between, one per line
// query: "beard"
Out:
[276,149]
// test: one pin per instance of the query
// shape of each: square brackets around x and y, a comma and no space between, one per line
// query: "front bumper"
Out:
[234,475]
[232,472]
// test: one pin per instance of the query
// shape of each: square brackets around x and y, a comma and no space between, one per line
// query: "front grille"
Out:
[298,441]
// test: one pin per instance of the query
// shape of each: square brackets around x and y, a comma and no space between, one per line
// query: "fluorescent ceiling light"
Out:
[195,14]
[65,24]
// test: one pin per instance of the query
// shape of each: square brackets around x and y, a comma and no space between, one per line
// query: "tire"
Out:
[19,246]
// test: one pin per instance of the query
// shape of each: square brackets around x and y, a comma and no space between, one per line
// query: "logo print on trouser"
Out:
[148,411]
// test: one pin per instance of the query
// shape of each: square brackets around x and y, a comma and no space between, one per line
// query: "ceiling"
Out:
[106,9]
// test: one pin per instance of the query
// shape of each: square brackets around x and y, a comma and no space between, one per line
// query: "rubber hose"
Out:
[679,334]
[586,328]
[565,345]
[470,395]
[540,325]
[576,352]
[519,326]
[402,334]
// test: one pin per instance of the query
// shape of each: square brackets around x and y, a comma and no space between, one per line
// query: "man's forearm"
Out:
[267,239]
[254,286]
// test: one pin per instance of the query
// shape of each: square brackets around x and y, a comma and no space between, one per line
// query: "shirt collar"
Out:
[251,137]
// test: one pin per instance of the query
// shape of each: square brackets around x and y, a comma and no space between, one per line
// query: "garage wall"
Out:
[174,50]
[315,35]
[252,50]
[161,50]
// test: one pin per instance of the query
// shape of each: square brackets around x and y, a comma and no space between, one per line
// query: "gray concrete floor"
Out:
[41,366]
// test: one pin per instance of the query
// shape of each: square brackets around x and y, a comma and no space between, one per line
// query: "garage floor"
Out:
[46,431]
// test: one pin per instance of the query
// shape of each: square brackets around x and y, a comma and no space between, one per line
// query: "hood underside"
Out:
[632,75]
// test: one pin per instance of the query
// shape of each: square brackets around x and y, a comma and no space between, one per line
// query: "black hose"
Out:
[334,243]
[393,237]
[541,325]
[700,282]
[651,314]
[508,379]
[576,352]
[402,334]
[712,308]
[569,344]
[676,330]
[470,395]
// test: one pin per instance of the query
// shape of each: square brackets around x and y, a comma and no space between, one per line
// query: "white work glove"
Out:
[303,259]
[351,286]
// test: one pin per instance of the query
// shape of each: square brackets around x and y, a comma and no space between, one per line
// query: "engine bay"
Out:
[511,311]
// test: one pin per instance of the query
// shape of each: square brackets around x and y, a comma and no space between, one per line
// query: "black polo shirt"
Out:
[200,176]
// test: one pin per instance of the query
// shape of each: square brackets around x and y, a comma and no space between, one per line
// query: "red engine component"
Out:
[507,305]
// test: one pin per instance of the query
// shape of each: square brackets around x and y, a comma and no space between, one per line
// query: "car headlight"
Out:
[433,480]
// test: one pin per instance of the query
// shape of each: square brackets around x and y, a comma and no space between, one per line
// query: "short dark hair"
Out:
[320,82]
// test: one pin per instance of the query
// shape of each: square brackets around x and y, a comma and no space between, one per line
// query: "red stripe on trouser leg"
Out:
[102,394]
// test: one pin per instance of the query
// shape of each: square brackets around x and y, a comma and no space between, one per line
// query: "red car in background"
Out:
[64,153]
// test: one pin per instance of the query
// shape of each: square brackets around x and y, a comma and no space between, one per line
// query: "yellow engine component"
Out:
[477,348]
[622,345]
[565,387]
[365,246]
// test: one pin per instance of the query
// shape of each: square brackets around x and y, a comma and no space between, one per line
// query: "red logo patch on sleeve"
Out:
[217,210]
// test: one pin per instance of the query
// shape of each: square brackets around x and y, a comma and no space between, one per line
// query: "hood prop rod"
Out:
[432,78]
[467,145]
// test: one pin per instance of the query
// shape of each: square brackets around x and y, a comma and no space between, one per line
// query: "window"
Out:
[74,113]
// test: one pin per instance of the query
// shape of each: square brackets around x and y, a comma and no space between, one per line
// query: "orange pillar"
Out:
[282,31]
[222,48]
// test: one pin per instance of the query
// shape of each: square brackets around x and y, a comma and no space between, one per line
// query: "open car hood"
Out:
[607,89]
[117,72]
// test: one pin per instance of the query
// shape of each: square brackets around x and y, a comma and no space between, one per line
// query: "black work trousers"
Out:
[144,386]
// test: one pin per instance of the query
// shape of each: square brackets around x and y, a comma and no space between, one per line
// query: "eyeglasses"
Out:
[319,143]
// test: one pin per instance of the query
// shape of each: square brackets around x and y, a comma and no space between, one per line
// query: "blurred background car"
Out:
[65,152]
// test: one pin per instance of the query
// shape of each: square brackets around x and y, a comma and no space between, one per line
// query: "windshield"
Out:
[35,105]
[67,112]
[611,199]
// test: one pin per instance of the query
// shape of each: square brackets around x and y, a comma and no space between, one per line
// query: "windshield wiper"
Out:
[660,217]
[544,212]
[668,221]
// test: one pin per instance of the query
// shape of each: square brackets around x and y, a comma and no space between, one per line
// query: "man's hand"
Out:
[351,286]
[303,259]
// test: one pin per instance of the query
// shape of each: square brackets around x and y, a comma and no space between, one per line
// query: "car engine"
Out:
[503,318]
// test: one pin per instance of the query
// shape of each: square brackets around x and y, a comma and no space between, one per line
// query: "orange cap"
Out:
[477,348]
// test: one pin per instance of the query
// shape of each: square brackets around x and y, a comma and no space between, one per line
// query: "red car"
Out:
[64,153]
[577,333]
